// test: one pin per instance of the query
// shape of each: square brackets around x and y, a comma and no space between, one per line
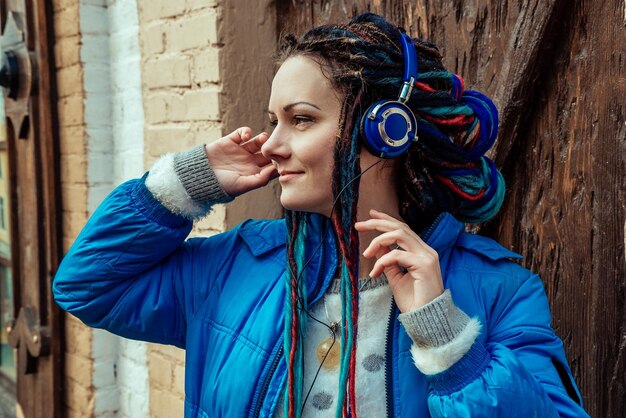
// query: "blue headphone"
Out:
[390,127]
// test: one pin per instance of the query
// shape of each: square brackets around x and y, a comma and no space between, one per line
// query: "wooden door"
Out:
[31,146]
[557,72]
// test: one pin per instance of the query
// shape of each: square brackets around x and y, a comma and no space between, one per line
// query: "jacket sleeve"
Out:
[128,270]
[519,369]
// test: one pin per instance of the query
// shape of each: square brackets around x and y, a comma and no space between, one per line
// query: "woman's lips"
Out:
[288,176]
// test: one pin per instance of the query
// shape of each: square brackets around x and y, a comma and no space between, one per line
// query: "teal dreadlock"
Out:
[446,170]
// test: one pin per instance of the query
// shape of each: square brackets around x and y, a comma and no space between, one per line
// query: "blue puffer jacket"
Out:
[221,298]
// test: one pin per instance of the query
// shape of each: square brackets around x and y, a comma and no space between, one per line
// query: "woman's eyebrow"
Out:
[289,106]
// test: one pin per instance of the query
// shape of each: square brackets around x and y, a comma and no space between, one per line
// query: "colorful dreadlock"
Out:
[446,170]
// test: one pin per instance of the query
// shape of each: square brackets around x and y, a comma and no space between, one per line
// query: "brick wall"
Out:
[78,362]
[181,88]
[197,86]
[101,132]
[193,90]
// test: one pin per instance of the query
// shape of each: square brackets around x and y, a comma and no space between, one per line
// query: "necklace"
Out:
[329,350]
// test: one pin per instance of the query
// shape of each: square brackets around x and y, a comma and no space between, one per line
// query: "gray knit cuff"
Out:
[436,323]
[197,176]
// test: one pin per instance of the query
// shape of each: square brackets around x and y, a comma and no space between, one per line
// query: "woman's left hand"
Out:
[420,281]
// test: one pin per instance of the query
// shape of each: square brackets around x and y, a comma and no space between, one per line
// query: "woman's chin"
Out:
[294,204]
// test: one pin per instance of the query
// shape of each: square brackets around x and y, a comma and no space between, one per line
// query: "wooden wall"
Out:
[556,70]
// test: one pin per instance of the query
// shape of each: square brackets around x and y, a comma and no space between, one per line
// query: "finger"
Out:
[260,160]
[382,225]
[390,239]
[392,260]
[254,145]
[240,135]
[382,215]
[259,179]
[386,225]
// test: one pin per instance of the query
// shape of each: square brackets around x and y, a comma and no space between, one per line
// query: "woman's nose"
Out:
[276,146]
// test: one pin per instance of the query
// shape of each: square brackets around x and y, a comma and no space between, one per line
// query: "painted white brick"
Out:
[94,140]
[107,402]
[95,49]
[99,168]
[122,45]
[101,3]
[104,344]
[121,13]
[96,78]
[95,195]
[104,372]
[98,111]
[93,19]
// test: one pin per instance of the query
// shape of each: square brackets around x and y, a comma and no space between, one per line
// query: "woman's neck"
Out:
[376,191]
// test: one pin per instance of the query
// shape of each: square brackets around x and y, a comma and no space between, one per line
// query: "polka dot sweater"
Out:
[374,311]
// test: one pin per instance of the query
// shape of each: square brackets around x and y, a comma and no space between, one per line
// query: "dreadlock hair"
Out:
[444,171]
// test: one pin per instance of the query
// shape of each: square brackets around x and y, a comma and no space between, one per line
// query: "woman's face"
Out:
[304,110]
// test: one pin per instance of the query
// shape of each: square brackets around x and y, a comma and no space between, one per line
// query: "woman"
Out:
[368,299]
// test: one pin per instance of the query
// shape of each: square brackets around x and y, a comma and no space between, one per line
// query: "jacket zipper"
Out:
[426,235]
[279,354]
[388,353]
[268,379]
[319,276]
[390,327]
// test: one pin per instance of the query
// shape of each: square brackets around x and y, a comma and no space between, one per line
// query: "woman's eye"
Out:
[273,122]
[301,119]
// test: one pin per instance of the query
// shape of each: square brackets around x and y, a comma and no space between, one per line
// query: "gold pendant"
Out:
[331,351]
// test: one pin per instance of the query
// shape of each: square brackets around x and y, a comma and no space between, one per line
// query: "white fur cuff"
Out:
[433,360]
[167,188]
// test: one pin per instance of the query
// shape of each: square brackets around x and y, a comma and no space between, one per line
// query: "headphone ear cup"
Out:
[389,128]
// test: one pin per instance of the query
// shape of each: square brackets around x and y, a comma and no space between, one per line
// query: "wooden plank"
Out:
[35,204]
[556,71]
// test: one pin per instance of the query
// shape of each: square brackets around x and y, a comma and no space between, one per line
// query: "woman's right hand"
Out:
[238,163]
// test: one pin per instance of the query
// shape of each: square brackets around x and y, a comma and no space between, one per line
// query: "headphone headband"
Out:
[410,67]
[389,127]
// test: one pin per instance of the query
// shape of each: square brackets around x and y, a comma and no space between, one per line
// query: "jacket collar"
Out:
[445,233]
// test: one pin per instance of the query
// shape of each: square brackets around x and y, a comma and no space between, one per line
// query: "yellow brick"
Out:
[169,351]
[74,169]
[157,105]
[172,71]
[74,197]
[79,398]
[160,370]
[63,4]
[72,140]
[160,9]
[179,380]
[160,139]
[70,80]
[67,243]
[66,21]
[202,104]
[79,369]
[73,223]
[199,31]
[153,38]
[200,4]
[78,337]
[71,111]
[206,66]
[67,51]
[164,404]
[206,134]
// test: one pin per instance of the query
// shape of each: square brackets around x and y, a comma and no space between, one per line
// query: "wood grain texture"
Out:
[555,69]
[35,200]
